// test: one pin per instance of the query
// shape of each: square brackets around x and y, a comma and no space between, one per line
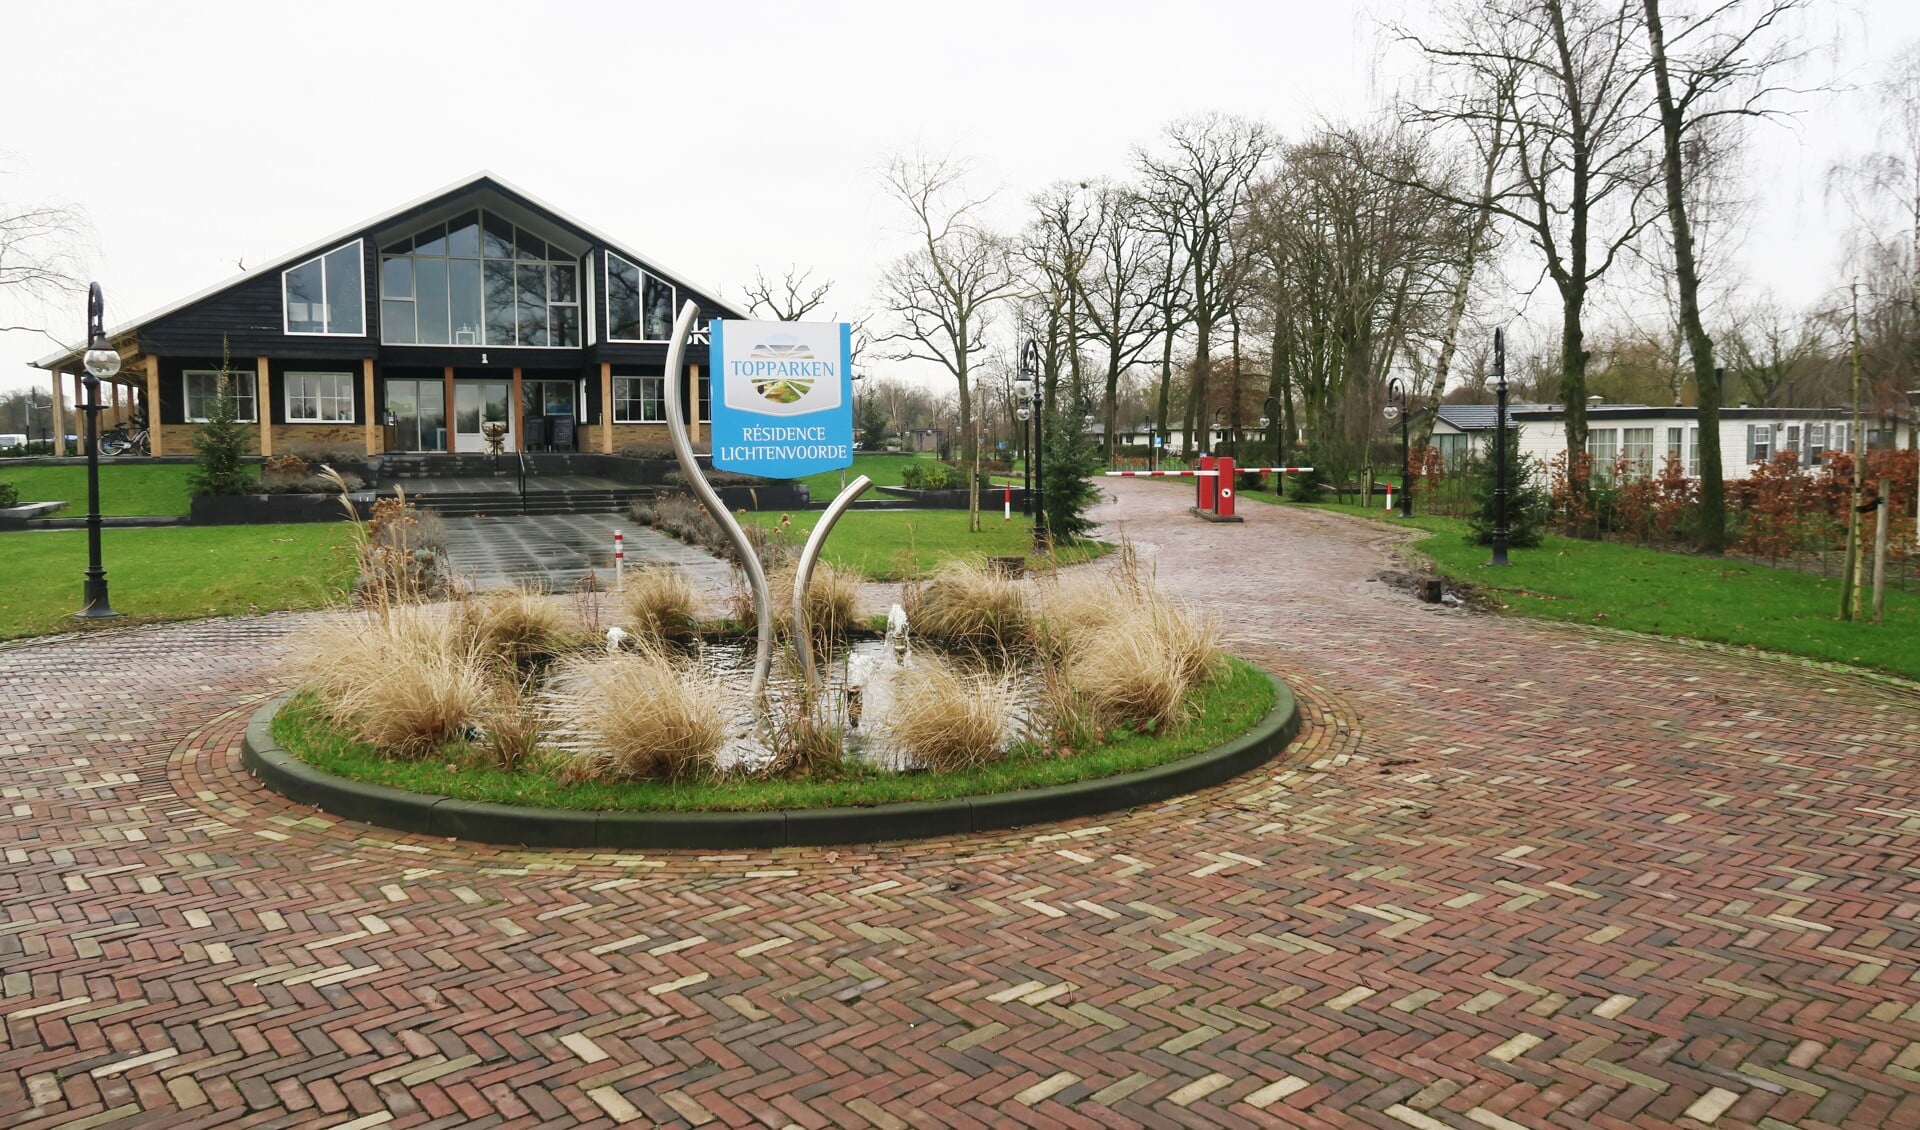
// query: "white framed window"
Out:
[1601,444]
[639,305]
[324,295]
[1637,445]
[319,398]
[1693,453]
[639,400]
[1793,443]
[1677,445]
[202,386]
[1759,443]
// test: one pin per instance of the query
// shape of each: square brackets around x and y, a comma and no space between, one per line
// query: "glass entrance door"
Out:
[478,403]
[418,413]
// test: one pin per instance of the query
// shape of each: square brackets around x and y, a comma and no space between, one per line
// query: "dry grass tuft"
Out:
[519,625]
[950,720]
[1127,654]
[405,680]
[510,723]
[967,606]
[659,604]
[831,602]
[1139,665]
[636,717]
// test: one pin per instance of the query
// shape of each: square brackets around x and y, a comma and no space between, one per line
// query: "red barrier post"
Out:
[1224,495]
[1205,486]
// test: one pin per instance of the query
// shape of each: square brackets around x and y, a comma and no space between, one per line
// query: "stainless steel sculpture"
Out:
[802,645]
[683,448]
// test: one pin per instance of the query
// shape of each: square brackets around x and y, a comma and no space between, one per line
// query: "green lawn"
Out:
[172,573]
[892,545]
[884,470]
[126,487]
[1676,594]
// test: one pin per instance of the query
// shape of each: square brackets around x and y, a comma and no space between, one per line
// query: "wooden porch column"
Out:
[59,417]
[606,407]
[263,403]
[366,389]
[155,443]
[448,392]
[519,414]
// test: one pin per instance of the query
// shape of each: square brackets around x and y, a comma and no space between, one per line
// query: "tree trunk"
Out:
[969,447]
[1711,536]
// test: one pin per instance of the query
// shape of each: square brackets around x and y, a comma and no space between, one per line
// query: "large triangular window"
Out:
[324,295]
[478,279]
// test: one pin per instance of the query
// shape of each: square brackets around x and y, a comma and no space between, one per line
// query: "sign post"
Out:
[783,408]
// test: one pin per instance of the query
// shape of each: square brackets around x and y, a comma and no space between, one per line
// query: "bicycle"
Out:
[124,438]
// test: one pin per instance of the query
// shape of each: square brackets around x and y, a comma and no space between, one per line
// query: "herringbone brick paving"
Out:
[1512,874]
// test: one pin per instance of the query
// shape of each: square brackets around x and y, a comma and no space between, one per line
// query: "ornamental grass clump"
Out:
[520,626]
[1127,655]
[967,606]
[404,680]
[659,604]
[635,717]
[951,720]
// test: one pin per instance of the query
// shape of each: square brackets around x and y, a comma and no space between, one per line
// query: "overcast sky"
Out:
[748,137]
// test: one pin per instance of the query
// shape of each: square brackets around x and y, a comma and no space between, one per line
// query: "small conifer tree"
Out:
[1527,503]
[221,440]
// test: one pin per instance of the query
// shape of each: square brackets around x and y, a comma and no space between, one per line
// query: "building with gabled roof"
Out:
[419,330]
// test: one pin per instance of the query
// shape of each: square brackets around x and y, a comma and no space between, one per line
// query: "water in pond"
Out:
[875,667]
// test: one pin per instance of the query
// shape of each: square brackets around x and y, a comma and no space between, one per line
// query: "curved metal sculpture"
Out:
[683,448]
[802,644]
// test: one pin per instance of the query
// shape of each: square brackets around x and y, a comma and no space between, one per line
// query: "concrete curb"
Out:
[556,827]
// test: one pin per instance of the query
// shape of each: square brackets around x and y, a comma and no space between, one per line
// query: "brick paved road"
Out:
[1512,875]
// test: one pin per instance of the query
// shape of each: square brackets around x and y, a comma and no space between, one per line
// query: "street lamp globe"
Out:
[101,359]
[1391,411]
[1022,389]
[1023,413]
[1264,421]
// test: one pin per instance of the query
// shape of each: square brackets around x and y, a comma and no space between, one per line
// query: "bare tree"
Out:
[1562,78]
[789,299]
[41,255]
[1722,60]
[1198,187]
[943,291]
[1775,354]
[1124,266]
[1359,264]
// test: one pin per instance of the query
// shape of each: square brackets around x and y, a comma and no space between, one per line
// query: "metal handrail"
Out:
[523,482]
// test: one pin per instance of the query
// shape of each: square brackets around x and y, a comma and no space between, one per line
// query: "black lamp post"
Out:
[1036,398]
[1270,418]
[101,361]
[1152,462]
[1397,406]
[1500,450]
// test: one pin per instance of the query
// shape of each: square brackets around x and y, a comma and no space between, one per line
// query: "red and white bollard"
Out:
[1389,497]
[1008,515]
[619,559]
[1223,507]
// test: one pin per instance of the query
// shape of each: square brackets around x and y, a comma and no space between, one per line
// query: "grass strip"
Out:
[899,545]
[127,489]
[1638,589]
[1223,709]
[172,573]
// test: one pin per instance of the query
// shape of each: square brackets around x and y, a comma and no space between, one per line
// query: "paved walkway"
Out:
[1512,874]
[555,552]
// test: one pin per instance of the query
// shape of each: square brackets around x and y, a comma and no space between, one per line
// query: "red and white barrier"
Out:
[619,559]
[1213,486]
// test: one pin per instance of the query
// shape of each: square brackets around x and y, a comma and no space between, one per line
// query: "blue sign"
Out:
[782,397]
